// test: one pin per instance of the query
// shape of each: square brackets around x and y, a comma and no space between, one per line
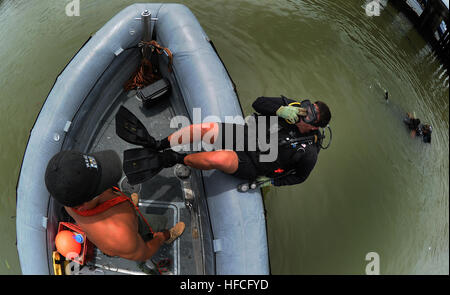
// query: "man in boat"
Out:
[417,128]
[295,158]
[84,184]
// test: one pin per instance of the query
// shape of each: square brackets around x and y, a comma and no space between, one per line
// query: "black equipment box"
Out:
[154,92]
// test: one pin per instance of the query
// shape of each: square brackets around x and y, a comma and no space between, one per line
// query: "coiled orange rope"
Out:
[144,75]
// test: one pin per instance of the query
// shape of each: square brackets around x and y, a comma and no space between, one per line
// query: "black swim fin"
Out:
[130,129]
[141,164]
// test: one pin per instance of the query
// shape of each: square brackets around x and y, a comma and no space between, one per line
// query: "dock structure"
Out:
[430,17]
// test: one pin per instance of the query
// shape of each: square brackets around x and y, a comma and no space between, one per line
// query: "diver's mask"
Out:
[311,116]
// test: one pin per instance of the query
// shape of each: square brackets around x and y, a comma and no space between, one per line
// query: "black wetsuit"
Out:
[426,137]
[413,124]
[299,161]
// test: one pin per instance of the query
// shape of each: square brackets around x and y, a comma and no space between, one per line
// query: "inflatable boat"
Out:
[225,229]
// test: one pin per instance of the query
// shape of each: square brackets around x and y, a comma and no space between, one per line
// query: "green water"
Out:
[374,190]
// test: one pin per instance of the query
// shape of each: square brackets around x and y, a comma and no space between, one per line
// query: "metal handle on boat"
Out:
[146,15]
[146,28]
[153,19]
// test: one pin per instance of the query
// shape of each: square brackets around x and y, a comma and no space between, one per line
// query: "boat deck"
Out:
[161,198]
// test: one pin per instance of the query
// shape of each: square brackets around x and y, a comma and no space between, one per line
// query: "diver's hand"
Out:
[265,181]
[290,113]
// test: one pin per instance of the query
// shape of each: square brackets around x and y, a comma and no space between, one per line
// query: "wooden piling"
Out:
[428,23]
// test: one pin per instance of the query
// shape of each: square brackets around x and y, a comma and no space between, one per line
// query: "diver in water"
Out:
[417,128]
[414,125]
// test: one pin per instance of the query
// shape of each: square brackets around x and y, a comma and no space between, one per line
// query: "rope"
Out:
[144,75]
[160,49]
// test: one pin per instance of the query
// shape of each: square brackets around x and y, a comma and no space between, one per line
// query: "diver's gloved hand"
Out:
[291,113]
[171,158]
[264,180]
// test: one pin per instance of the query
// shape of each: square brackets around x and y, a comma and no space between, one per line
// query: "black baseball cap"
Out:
[74,178]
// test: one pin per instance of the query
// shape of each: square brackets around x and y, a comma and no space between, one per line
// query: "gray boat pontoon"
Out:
[225,229]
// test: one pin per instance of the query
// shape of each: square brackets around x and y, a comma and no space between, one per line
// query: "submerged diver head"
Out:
[74,178]
[426,133]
